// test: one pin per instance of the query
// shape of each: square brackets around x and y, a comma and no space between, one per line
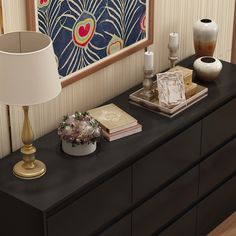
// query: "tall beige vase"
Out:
[205,32]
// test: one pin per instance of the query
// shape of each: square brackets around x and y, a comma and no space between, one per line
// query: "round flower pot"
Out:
[207,68]
[205,32]
[79,150]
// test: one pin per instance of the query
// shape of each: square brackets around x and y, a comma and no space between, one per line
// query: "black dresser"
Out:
[176,178]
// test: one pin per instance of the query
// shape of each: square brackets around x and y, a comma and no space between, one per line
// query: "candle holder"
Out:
[148,92]
[173,48]
[173,55]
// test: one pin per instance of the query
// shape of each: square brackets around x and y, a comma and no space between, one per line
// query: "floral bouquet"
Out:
[79,128]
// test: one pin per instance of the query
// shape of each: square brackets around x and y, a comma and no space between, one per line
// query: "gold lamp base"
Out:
[21,172]
[28,168]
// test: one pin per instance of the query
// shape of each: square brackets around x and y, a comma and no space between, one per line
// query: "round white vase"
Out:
[79,150]
[207,68]
[205,32]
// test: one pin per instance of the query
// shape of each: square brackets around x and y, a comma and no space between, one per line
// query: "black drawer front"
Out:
[217,167]
[121,228]
[153,214]
[93,210]
[166,161]
[216,207]
[185,226]
[218,127]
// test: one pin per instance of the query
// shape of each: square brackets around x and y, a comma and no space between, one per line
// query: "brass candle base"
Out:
[28,168]
[21,172]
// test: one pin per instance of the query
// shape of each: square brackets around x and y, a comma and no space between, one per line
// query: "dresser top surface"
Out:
[68,177]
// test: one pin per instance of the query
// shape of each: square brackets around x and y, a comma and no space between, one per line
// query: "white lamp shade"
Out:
[28,69]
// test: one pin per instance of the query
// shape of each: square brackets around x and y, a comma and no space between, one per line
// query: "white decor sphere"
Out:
[207,68]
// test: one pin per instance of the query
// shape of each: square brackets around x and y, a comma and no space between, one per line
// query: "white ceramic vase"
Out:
[207,68]
[205,32]
[79,150]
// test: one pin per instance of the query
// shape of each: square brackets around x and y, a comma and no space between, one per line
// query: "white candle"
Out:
[148,60]
[174,40]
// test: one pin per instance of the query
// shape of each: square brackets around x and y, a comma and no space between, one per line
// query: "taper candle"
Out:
[174,40]
[148,60]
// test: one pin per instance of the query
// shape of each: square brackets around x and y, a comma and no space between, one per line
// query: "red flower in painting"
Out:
[43,1]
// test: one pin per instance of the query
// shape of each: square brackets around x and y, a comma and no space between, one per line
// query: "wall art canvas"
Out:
[90,34]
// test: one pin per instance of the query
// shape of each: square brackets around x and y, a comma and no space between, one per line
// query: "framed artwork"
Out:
[88,35]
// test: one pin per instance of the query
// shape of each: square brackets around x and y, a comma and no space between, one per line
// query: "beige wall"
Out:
[4,132]
[170,15]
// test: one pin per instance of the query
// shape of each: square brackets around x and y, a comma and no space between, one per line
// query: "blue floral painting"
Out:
[86,31]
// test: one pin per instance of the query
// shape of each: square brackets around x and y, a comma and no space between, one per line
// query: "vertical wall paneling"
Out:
[170,15]
[14,15]
[233,55]
[180,15]
[1,18]
[4,132]
[4,127]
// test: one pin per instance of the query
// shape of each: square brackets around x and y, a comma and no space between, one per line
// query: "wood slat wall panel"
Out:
[170,15]
[180,15]
[14,15]
[4,132]
[4,127]
[233,55]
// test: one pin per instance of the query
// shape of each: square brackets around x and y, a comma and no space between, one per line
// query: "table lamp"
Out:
[28,76]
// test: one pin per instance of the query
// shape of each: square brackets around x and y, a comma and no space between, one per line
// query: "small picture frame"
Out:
[171,89]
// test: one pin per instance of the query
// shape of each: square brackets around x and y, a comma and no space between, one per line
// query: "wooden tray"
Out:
[153,105]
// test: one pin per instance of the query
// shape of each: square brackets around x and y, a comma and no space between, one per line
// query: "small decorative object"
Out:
[79,134]
[173,48]
[205,32]
[148,75]
[207,68]
[154,105]
[115,122]
[171,89]
[190,90]
[28,76]
[190,87]
[187,74]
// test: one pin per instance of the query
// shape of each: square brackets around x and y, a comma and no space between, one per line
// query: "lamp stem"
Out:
[28,150]
[29,168]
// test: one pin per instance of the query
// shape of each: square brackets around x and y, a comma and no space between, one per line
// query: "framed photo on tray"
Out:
[88,35]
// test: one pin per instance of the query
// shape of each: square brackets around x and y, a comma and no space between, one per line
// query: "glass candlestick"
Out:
[147,92]
[173,48]
[173,56]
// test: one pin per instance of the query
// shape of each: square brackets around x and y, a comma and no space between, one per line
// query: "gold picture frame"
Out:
[1,18]
[32,22]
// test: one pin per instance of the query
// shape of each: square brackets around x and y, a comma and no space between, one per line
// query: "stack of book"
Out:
[115,122]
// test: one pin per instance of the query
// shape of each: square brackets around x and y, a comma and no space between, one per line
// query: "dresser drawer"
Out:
[184,226]
[93,210]
[216,207]
[218,127]
[166,162]
[121,228]
[165,205]
[217,167]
